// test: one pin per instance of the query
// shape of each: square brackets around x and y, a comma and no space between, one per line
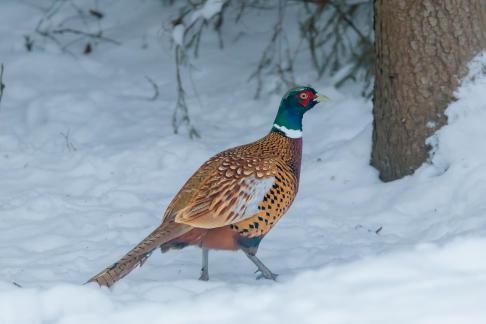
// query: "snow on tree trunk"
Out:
[422,50]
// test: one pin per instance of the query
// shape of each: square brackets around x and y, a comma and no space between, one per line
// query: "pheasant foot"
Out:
[264,271]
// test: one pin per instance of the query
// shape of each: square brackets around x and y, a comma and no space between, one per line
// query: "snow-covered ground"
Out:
[88,164]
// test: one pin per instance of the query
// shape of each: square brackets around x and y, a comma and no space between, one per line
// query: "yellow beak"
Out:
[320,98]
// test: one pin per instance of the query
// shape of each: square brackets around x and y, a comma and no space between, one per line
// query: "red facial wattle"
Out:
[305,97]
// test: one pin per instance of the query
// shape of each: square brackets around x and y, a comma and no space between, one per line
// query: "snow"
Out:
[370,290]
[178,34]
[88,165]
[208,10]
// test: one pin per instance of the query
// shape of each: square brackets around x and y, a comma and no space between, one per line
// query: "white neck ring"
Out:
[291,133]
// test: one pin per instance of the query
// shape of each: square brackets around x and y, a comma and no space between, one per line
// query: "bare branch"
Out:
[192,29]
[69,26]
[335,32]
[276,57]
[155,87]
[98,35]
[330,44]
[96,13]
[181,112]
[2,85]
[351,24]
[70,146]
[16,284]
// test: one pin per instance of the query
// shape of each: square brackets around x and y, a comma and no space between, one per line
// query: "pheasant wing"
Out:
[230,194]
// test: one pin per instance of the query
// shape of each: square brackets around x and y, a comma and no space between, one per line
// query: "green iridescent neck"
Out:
[289,120]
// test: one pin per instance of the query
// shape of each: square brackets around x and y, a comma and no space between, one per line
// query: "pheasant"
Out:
[235,198]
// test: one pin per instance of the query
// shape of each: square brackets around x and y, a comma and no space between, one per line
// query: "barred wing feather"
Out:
[225,201]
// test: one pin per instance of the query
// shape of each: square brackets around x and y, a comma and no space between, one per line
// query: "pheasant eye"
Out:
[303,95]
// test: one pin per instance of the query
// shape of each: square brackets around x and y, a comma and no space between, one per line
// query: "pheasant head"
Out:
[294,105]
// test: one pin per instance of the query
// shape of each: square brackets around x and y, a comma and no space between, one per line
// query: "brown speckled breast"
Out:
[279,198]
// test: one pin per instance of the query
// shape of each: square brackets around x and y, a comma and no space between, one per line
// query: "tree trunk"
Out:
[422,49]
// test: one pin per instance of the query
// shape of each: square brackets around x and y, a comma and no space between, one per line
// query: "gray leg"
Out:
[204,270]
[264,271]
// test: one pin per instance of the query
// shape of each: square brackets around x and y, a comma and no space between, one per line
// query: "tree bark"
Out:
[422,48]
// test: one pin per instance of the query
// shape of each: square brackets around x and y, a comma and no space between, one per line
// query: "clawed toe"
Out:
[264,271]
[266,275]
[204,275]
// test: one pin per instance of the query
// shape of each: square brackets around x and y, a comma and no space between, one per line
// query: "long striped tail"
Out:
[139,254]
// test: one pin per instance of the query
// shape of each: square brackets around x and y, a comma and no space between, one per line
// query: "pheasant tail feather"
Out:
[138,255]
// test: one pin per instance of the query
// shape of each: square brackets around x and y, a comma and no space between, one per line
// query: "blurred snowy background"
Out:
[89,160]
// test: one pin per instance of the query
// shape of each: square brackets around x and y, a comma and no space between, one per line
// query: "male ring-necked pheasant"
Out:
[234,198]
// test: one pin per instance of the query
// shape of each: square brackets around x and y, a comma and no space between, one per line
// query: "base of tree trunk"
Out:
[422,50]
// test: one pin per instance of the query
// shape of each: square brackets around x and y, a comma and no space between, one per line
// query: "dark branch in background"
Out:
[96,13]
[2,85]
[28,43]
[70,146]
[330,45]
[344,17]
[335,34]
[190,30]
[78,24]
[275,59]
[98,35]
[155,87]
[181,112]
[16,284]
[363,57]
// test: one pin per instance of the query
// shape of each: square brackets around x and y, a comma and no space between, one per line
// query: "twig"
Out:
[28,43]
[330,29]
[69,144]
[46,29]
[97,35]
[361,227]
[96,13]
[2,85]
[345,17]
[275,64]
[155,87]
[330,45]
[16,284]
[181,112]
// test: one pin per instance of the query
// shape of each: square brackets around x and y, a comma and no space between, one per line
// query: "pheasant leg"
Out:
[264,271]
[204,270]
